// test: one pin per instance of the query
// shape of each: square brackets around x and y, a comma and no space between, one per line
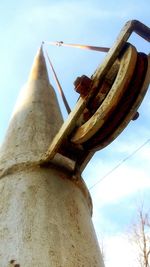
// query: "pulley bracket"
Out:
[108,100]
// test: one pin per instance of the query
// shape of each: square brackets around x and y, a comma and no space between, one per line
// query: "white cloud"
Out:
[119,252]
[124,181]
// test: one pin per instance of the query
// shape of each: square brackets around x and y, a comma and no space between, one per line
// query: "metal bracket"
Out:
[63,142]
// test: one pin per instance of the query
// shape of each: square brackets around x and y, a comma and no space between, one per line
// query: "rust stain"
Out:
[12,261]
[83,85]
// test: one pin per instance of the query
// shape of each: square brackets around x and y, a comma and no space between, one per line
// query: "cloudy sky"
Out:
[116,191]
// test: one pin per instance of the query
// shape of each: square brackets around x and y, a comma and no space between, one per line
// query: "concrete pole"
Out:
[45,215]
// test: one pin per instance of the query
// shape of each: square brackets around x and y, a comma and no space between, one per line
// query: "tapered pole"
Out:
[45,213]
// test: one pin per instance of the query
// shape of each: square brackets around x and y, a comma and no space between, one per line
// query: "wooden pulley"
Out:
[100,94]
[104,88]
[127,107]
[123,115]
[111,100]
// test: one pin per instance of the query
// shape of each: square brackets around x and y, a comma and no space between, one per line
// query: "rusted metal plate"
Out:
[127,66]
[141,29]
[130,26]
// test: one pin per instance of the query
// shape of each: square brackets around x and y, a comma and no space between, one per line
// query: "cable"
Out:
[58,84]
[119,164]
[88,47]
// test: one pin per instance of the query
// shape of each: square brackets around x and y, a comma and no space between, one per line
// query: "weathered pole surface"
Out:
[45,214]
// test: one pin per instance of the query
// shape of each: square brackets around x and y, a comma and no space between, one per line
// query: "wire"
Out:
[58,85]
[119,164]
[88,47]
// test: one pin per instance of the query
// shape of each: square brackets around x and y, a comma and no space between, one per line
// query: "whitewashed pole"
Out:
[45,215]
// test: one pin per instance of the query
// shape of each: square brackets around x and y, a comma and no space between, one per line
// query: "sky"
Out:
[116,191]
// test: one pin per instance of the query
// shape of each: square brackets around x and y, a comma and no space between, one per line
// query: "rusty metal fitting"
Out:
[135,117]
[82,85]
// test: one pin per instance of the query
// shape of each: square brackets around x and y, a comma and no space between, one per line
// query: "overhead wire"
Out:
[120,163]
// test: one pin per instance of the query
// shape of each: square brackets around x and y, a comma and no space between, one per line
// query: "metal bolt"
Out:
[82,85]
[135,117]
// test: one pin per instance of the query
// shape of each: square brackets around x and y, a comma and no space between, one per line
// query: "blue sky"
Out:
[24,25]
